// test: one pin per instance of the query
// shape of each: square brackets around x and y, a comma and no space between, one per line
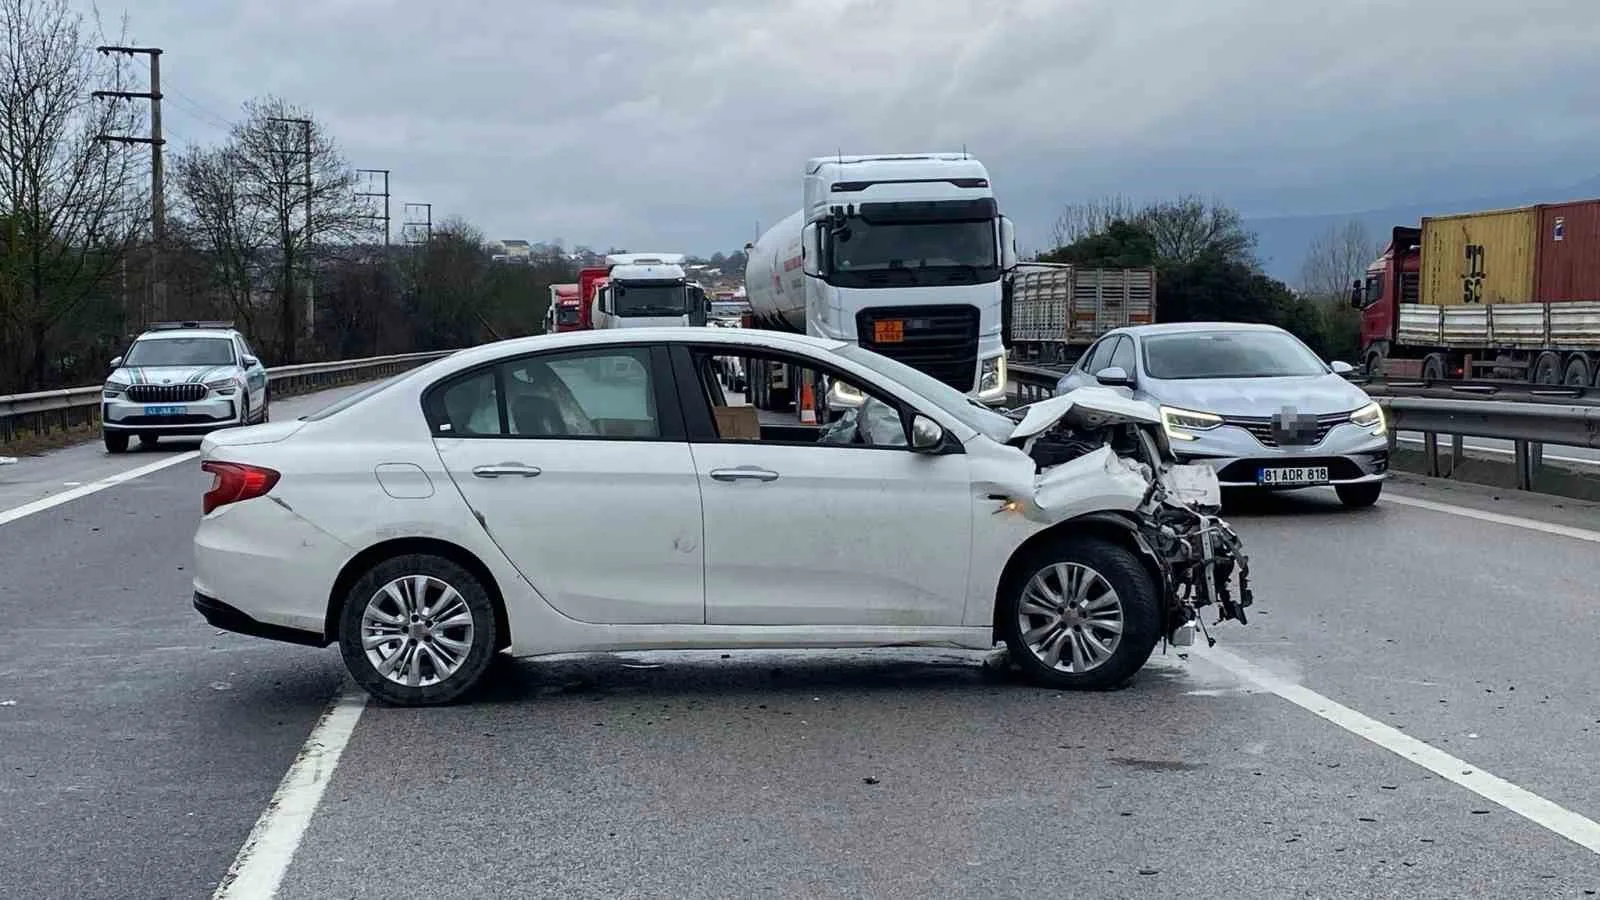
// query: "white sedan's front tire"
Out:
[418,630]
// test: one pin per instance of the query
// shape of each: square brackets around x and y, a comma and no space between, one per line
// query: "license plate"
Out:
[165,410]
[1295,476]
[889,331]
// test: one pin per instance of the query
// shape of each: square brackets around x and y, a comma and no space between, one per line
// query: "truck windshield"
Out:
[645,298]
[567,315]
[1229,354]
[867,253]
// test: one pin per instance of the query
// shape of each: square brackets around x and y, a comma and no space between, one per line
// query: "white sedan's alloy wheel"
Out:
[418,630]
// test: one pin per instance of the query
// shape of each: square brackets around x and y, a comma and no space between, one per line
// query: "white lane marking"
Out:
[1536,809]
[1483,515]
[1503,451]
[259,868]
[93,487]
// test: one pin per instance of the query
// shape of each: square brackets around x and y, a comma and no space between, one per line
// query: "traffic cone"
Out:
[808,404]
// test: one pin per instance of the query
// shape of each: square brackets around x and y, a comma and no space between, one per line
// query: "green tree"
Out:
[1122,245]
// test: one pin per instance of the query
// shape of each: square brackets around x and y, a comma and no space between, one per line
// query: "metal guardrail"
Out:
[42,412]
[1528,426]
[1529,423]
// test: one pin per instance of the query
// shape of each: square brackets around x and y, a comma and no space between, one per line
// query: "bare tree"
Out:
[1190,227]
[69,203]
[234,233]
[1183,229]
[268,155]
[1339,256]
[1080,220]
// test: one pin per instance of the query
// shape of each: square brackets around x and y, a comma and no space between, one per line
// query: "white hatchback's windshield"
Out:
[1228,354]
[968,411]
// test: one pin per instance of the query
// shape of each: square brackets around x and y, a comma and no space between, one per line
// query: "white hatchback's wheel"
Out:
[1080,613]
[418,630]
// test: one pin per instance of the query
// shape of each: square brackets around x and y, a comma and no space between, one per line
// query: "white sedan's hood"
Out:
[1087,406]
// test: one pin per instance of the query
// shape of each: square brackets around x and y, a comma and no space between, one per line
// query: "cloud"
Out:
[677,124]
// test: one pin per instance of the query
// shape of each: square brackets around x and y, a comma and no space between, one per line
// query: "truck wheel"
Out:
[1374,363]
[1433,367]
[1577,374]
[1080,613]
[1547,369]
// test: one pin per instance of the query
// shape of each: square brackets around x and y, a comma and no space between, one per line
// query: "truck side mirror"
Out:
[1008,245]
[811,249]
[1357,296]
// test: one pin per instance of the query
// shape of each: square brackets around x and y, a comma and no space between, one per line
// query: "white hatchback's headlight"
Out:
[1181,424]
[1370,416]
[225,386]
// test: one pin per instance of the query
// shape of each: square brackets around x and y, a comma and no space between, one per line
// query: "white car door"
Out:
[803,533]
[577,465]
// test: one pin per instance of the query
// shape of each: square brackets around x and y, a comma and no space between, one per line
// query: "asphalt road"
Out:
[139,745]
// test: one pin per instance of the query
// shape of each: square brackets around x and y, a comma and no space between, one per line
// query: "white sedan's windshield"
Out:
[968,411]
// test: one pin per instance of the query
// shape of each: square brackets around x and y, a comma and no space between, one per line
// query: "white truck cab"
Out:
[903,254]
[648,289]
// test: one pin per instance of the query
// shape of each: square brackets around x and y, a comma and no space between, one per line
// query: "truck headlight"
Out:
[1370,416]
[1180,424]
[226,387]
[992,375]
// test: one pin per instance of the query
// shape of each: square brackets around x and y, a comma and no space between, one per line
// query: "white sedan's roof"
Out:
[773,340]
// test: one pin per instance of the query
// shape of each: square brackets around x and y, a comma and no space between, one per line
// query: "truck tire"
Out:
[1079,613]
[1546,369]
[1433,367]
[1577,374]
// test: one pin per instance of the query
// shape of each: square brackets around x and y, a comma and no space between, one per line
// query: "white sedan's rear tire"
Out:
[418,630]
[1080,613]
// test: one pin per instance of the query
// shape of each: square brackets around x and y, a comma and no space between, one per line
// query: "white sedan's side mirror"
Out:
[926,434]
[1341,367]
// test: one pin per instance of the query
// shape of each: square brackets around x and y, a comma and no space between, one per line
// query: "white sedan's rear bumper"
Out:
[259,562]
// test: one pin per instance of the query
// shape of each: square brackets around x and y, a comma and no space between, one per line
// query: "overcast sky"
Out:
[677,125]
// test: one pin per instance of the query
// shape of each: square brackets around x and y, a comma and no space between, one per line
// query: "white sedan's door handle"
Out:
[525,471]
[744,473]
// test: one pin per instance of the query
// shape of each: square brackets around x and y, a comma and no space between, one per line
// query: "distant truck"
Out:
[1055,311]
[903,254]
[647,289]
[1509,294]
[565,303]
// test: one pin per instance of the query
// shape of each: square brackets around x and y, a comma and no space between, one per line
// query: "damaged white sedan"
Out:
[608,491]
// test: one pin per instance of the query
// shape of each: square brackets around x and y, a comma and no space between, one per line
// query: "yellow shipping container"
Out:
[1483,257]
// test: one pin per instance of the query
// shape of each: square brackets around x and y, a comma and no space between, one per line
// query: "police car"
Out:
[182,378]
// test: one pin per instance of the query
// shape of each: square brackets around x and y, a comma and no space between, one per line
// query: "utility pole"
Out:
[310,263]
[413,224]
[158,202]
[384,195]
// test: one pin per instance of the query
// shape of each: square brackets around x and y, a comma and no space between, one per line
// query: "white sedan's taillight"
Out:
[233,482]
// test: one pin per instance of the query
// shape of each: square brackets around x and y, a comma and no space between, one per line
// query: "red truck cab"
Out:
[589,280]
[1392,279]
[568,308]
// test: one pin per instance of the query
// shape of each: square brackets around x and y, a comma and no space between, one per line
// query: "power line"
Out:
[412,225]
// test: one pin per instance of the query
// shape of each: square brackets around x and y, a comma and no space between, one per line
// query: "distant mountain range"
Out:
[1282,241]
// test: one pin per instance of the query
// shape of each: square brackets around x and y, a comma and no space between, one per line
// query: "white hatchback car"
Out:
[603,491]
